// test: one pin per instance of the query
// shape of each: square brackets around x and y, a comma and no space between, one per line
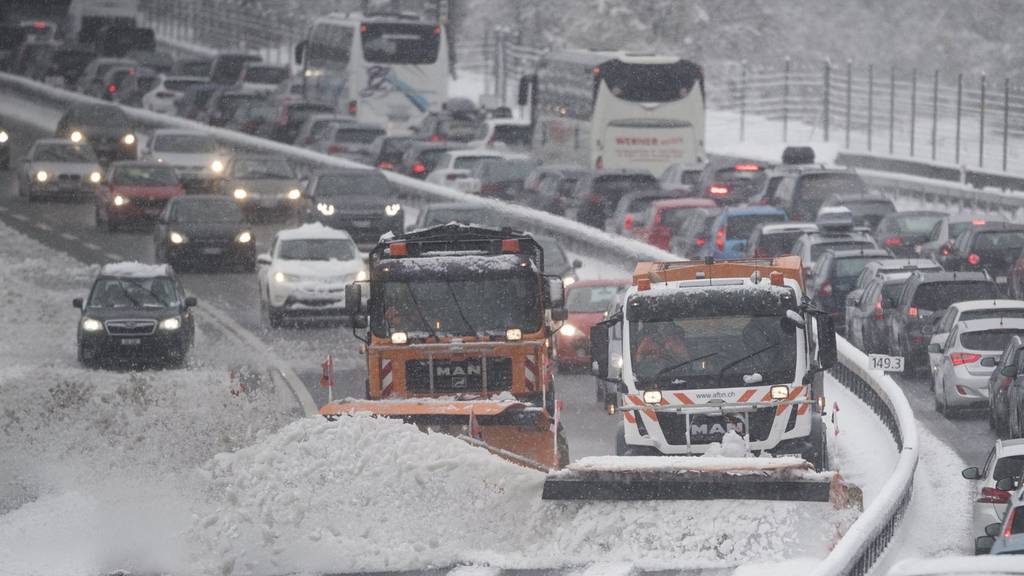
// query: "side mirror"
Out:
[554,292]
[993,529]
[828,354]
[78,303]
[577,264]
[190,302]
[559,314]
[983,545]
[354,299]
[971,473]
[263,259]
[1010,371]
[599,349]
[935,348]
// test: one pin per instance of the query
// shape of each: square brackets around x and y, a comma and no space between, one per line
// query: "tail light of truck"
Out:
[961,358]
[993,496]
[720,239]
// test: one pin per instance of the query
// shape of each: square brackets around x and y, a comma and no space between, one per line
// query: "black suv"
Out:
[992,248]
[924,295]
[135,312]
[599,192]
[835,275]
[801,190]
[105,127]
[360,201]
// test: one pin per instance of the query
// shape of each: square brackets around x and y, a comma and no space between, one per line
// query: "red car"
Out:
[587,301]
[663,218]
[135,191]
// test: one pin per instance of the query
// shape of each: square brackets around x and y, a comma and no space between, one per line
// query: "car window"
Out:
[740,227]
[940,295]
[819,248]
[992,313]
[258,168]
[144,176]
[320,249]
[1008,467]
[988,340]
[63,153]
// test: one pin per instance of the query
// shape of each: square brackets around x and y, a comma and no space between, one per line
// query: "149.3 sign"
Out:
[885,363]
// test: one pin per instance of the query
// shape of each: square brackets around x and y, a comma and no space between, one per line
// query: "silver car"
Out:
[262,183]
[353,141]
[58,168]
[966,360]
[1005,460]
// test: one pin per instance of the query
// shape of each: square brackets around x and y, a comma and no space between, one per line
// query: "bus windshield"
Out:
[400,43]
[650,82]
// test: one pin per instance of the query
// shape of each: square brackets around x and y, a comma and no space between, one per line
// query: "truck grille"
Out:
[130,327]
[69,177]
[458,375]
[706,429]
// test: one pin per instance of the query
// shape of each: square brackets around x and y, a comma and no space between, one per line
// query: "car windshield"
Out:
[741,227]
[776,243]
[460,307]
[850,268]
[184,143]
[469,162]
[591,299]
[358,135]
[181,85]
[266,75]
[616,186]
[130,292]
[819,248]
[213,211]
[999,241]
[322,249]
[102,116]
[263,169]
[814,189]
[988,340]
[64,153]
[674,217]
[916,223]
[435,216]
[940,295]
[365,186]
[144,176]
[1008,467]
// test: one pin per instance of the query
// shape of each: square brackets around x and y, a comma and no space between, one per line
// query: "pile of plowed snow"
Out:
[363,494]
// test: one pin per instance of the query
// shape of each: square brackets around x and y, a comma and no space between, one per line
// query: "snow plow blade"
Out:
[516,431]
[692,478]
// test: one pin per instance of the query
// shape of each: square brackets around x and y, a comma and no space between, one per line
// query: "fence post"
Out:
[892,108]
[743,100]
[913,109]
[935,111]
[785,102]
[981,126]
[849,97]
[959,101]
[1006,118]
[828,91]
[871,102]
[502,64]
[488,60]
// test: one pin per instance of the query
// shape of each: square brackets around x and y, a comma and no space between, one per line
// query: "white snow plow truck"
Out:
[718,367]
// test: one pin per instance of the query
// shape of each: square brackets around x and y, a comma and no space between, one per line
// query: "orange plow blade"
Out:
[519,432]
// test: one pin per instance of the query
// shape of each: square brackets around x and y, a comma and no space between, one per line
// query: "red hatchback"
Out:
[135,191]
[587,301]
[663,218]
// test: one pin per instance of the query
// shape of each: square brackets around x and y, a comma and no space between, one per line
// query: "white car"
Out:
[195,155]
[966,360]
[466,159]
[503,132]
[970,310]
[959,566]
[168,91]
[458,178]
[305,273]
[262,78]
[1005,460]
[58,168]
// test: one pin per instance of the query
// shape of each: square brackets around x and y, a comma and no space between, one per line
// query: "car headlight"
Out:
[325,208]
[77,136]
[652,396]
[294,194]
[240,194]
[361,276]
[217,166]
[780,392]
[91,325]
[129,139]
[568,281]
[95,177]
[170,324]
[281,278]
[244,237]
[393,209]
[3,137]
[567,330]
[177,238]
[399,338]
[42,176]
[121,201]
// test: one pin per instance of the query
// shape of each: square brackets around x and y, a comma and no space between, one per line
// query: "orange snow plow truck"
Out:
[457,322]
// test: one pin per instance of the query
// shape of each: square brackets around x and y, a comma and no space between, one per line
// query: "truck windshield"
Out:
[459,307]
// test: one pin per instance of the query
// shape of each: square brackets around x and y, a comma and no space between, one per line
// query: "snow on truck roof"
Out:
[135,270]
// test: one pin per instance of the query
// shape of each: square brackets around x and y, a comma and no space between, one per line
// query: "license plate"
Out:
[1001,279]
[131,341]
[885,363]
[361,223]
[212,251]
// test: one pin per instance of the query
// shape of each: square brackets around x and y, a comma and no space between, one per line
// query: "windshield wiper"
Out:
[419,312]
[135,303]
[748,356]
[674,367]
[458,308]
[149,290]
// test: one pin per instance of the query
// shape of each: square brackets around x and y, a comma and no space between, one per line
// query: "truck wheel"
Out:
[599,388]
[817,454]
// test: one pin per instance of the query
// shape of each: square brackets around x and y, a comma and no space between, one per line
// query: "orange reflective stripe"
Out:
[651,414]
[803,409]
[746,395]
[683,398]
[629,417]
[636,400]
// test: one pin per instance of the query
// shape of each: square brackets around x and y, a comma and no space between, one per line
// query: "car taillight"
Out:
[335,149]
[717,190]
[961,358]
[825,290]
[435,138]
[353,108]
[720,239]
[700,242]
[947,248]
[993,496]
[894,241]
[879,311]
[1008,531]
[974,259]
[418,168]
[385,166]
[912,312]
[627,224]
[111,88]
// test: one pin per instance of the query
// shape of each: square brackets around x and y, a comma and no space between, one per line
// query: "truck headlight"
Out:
[95,177]
[129,139]
[217,166]
[652,396]
[393,209]
[170,324]
[399,338]
[42,176]
[294,194]
[121,201]
[77,136]
[240,194]
[361,276]
[177,238]
[567,330]
[568,281]
[91,325]
[244,237]
[325,209]
[513,334]
[3,137]
[780,392]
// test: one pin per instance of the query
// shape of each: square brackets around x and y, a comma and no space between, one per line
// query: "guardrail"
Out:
[869,536]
